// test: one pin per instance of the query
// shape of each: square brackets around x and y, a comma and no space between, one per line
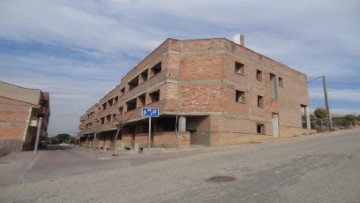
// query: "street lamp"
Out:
[326,99]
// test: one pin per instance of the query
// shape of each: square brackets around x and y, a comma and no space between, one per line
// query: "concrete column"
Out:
[182,124]
[38,135]
[307,116]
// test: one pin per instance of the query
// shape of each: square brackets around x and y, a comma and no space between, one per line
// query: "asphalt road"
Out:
[318,168]
[58,162]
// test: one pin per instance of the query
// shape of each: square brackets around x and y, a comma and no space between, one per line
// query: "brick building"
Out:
[20,110]
[210,92]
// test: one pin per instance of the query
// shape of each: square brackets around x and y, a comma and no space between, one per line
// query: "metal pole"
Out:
[38,135]
[149,138]
[327,103]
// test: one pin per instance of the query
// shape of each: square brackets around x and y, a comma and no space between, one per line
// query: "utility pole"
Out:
[327,103]
[326,99]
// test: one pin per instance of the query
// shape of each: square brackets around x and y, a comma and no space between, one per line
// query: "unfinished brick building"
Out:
[20,110]
[210,92]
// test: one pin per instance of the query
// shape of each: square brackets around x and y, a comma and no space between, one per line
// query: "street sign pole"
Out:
[149,138]
[149,112]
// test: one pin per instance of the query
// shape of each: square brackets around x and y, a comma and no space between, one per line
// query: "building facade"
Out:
[20,110]
[210,92]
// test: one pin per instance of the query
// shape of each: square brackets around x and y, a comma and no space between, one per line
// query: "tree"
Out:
[63,137]
[320,113]
[119,125]
[350,118]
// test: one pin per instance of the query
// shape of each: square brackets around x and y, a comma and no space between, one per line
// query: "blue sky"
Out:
[79,50]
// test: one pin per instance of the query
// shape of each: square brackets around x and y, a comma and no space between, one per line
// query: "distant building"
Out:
[20,109]
[210,92]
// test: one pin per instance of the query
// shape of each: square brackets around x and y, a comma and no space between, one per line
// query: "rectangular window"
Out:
[273,87]
[121,110]
[103,106]
[110,102]
[131,104]
[133,83]
[156,69]
[260,129]
[102,120]
[122,91]
[260,101]
[155,96]
[259,75]
[239,68]
[108,118]
[144,76]
[141,100]
[281,83]
[116,99]
[240,96]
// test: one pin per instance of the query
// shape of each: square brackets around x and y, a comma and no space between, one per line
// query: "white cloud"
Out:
[315,37]
[73,85]
[352,95]
[51,22]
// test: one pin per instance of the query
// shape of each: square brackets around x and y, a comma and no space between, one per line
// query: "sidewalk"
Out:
[15,165]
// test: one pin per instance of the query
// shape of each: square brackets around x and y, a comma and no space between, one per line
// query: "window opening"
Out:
[281,83]
[155,96]
[156,69]
[144,76]
[108,118]
[121,109]
[259,75]
[110,102]
[239,68]
[260,129]
[141,100]
[131,104]
[273,89]
[260,101]
[133,83]
[240,96]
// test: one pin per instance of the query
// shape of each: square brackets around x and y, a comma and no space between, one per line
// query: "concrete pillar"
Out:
[307,116]
[38,135]
[182,124]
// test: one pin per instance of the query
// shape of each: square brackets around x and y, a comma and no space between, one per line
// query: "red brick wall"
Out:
[14,117]
[198,78]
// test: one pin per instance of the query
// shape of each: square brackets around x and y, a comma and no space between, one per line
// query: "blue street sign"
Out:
[150,112]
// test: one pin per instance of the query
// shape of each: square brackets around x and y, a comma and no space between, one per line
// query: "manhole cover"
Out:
[220,179]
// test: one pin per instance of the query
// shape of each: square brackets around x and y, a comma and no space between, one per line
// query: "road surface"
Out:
[317,168]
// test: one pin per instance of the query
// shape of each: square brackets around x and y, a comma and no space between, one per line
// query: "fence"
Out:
[322,125]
